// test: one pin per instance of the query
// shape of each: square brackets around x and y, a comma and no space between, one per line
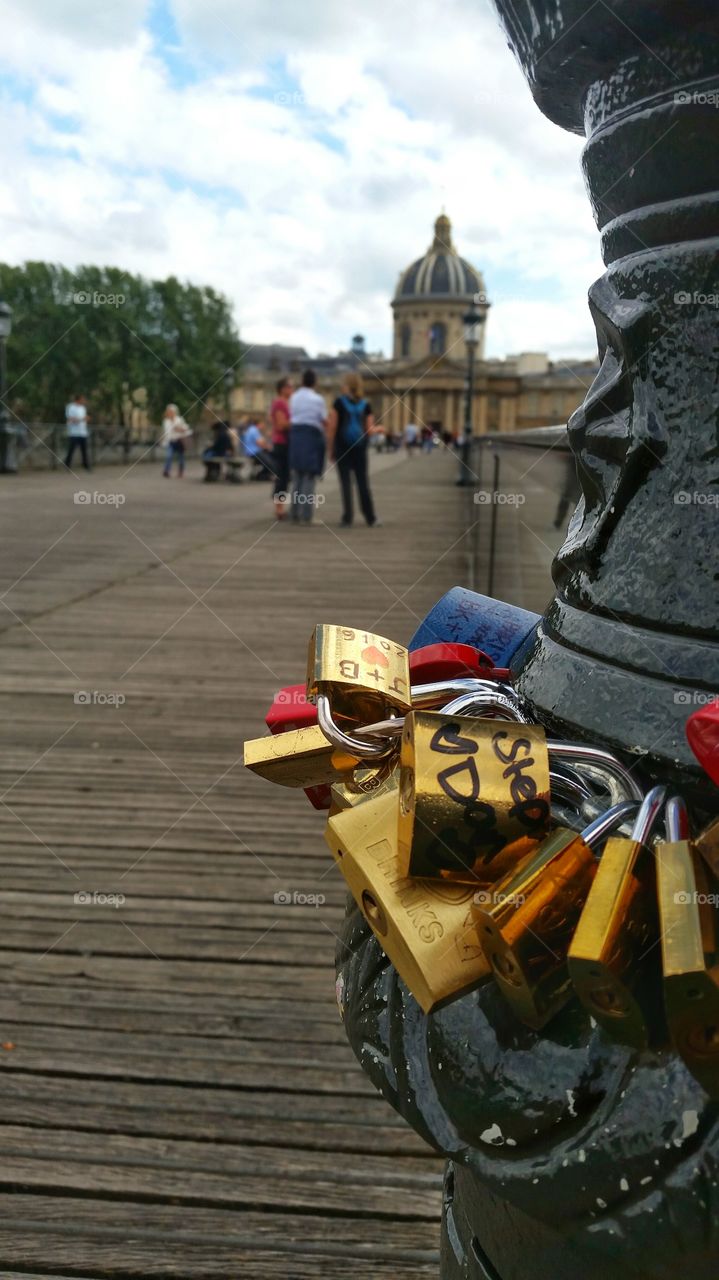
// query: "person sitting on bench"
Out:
[221,447]
[254,447]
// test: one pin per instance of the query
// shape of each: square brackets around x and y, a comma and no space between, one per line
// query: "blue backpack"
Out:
[354,422]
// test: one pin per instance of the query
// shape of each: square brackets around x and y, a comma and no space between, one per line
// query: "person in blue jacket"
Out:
[351,423]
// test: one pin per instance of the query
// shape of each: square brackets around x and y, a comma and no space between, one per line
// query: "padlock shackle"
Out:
[606,823]
[353,746]
[568,788]
[676,819]
[468,704]
[649,812]
[426,696]
[595,755]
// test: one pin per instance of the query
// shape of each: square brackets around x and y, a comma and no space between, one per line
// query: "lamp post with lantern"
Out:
[228,378]
[473,324]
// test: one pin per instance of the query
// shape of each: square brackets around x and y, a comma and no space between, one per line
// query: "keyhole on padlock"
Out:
[506,968]
[374,913]
[607,1000]
[406,790]
[704,1041]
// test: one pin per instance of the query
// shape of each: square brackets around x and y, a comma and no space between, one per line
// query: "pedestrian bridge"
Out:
[177,1096]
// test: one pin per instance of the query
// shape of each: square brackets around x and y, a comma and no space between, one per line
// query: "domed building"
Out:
[425,381]
[433,296]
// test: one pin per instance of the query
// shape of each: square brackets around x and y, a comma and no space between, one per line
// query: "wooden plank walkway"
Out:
[177,1097]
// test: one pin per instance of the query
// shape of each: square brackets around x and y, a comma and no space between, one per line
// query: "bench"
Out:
[231,467]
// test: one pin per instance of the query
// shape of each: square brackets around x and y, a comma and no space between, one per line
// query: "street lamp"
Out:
[473,324]
[228,376]
[8,460]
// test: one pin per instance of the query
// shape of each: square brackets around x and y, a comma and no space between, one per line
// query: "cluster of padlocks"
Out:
[477,849]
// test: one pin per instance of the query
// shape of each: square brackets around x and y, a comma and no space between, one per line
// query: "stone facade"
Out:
[425,380]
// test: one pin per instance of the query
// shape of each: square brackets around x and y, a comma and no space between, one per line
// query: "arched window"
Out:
[405,339]
[437,339]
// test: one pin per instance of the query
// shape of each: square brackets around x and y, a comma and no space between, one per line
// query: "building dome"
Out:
[441,273]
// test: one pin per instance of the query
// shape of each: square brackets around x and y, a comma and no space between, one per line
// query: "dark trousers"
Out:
[281,468]
[81,442]
[354,463]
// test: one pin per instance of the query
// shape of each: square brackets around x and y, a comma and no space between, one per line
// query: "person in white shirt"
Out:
[308,419]
[175,432]
[76,421]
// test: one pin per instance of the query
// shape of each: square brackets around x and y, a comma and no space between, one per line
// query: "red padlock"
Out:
[702,730]
[435,662]
[291,709]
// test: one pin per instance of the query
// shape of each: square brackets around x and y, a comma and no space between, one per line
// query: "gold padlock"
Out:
[614,962]
[364,782]
[425,928]
[469,787]
[526,926]
[297,758]
[690,950]
[707,844]
[366,676]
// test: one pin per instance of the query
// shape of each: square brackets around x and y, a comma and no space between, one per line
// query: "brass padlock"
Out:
[707,843]
[527,925]
[469,787]
[688,900]
[425,928]
[614,962]
[366,676]
[364,782]
[297,758]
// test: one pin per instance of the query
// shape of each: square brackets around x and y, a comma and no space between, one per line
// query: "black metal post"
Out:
[493,526]
[465,472]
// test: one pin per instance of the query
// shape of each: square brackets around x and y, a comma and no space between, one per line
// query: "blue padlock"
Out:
[464,617]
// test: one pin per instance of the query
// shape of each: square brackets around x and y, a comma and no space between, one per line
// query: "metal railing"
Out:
[42,445]
[520,491]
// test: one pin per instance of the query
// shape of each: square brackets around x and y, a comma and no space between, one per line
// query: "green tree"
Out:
[106,333]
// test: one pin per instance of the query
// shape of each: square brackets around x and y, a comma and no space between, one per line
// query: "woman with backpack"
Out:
[350,425]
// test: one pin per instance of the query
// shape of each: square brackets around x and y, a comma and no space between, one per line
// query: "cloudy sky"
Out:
[294,156]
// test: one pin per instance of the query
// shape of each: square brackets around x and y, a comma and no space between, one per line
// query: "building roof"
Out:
[441,272]
[273,355]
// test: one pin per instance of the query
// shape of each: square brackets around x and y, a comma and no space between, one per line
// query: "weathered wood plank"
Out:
[180,1100]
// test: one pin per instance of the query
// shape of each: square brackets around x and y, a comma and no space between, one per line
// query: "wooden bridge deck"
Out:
[177,1097]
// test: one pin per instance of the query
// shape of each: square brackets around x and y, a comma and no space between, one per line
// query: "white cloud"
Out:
[295,157]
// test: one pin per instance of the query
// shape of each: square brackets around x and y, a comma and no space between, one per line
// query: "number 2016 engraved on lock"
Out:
[358,662]
[458,817]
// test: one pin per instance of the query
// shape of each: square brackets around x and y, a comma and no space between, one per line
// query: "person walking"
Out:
[280,421]
[351,423]
[308,421]
[411,438]
[175,433]
[77,434]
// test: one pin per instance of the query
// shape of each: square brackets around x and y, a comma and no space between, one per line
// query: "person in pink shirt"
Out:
[280,424]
